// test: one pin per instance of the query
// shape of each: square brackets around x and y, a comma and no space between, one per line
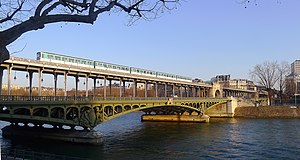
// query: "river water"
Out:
[127,137]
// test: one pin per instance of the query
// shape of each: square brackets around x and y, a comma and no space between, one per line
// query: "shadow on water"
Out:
[126,137]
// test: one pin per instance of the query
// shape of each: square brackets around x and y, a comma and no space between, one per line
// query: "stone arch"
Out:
[218,94]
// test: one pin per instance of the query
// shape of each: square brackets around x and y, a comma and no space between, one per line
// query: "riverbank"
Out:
[267,112]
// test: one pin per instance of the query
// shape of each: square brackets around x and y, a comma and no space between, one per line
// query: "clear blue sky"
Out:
[202,38]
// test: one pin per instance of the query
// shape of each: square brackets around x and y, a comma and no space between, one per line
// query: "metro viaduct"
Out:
[179,88]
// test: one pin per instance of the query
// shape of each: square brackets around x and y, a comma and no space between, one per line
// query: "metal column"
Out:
[30,83]
[40,82]
[1,79]
[8,79]
[76,85]
[55,84]
[134,88]
[180,90]
[146,85]
[166,90]
[110,94]
[156,88]
[65,83]
[95,87]
[121,82]
[124,88]
[173,90]
[87,86]
[104,88]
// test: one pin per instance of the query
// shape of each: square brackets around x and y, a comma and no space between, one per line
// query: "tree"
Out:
[266,75]
[283,71]
[20,16]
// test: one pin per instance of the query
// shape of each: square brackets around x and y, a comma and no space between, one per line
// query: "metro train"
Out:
[57,58]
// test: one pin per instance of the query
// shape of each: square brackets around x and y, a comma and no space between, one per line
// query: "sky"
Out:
[200,39]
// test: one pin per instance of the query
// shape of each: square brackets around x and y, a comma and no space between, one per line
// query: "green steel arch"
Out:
[89,113]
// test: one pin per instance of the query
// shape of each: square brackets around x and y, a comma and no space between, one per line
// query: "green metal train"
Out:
[57,58]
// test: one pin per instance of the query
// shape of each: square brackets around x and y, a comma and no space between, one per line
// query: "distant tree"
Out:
[20,16]
[266,75]
[283,71]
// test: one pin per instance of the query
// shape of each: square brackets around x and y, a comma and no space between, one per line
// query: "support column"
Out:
[76,85]
[55,84]
[156,88]
[8,79]
[104,88]
[86,86]
[166,87]
[40,82]
[180,91]
[30,83]
[1,79]
[95,87]
[110,85]
[124,88]
[188,92]
[204,92]
[65,83]
[173,90]
[121,82]
[134,85]
[146,85]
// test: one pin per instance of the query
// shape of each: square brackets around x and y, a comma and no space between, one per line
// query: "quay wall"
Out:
[267,112]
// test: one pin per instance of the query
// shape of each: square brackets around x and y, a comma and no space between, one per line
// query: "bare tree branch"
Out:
[33,15]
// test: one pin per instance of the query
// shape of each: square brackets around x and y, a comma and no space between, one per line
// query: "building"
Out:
[295,68]
[225,81]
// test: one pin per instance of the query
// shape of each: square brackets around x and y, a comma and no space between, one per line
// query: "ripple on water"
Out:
[127,137]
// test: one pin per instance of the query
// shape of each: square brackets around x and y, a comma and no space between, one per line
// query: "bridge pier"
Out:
[175,118]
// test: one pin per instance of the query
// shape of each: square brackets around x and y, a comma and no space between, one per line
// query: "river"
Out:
[127,137]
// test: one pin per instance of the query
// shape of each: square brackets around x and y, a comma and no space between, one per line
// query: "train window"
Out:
[45,55]
[77,61]
[83,62]
[51,57]
[57,58]
[71,60]
[114,67]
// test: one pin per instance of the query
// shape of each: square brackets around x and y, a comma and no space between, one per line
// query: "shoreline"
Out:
[267,112]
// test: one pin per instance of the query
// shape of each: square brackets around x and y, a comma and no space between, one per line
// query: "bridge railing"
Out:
[6,98]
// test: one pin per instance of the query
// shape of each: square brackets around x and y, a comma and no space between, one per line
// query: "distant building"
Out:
[295,68]
[293,80]
[197,80]
[225,81]
[221,78]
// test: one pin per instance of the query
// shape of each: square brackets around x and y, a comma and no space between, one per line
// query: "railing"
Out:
[6,98]
[25,154]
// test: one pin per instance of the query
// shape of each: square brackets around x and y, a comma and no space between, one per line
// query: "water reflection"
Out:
[127,137]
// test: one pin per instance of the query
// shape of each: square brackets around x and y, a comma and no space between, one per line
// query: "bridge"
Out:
[89,112]
[190,101]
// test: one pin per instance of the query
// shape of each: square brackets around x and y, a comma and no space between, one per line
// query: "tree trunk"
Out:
[4,53]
